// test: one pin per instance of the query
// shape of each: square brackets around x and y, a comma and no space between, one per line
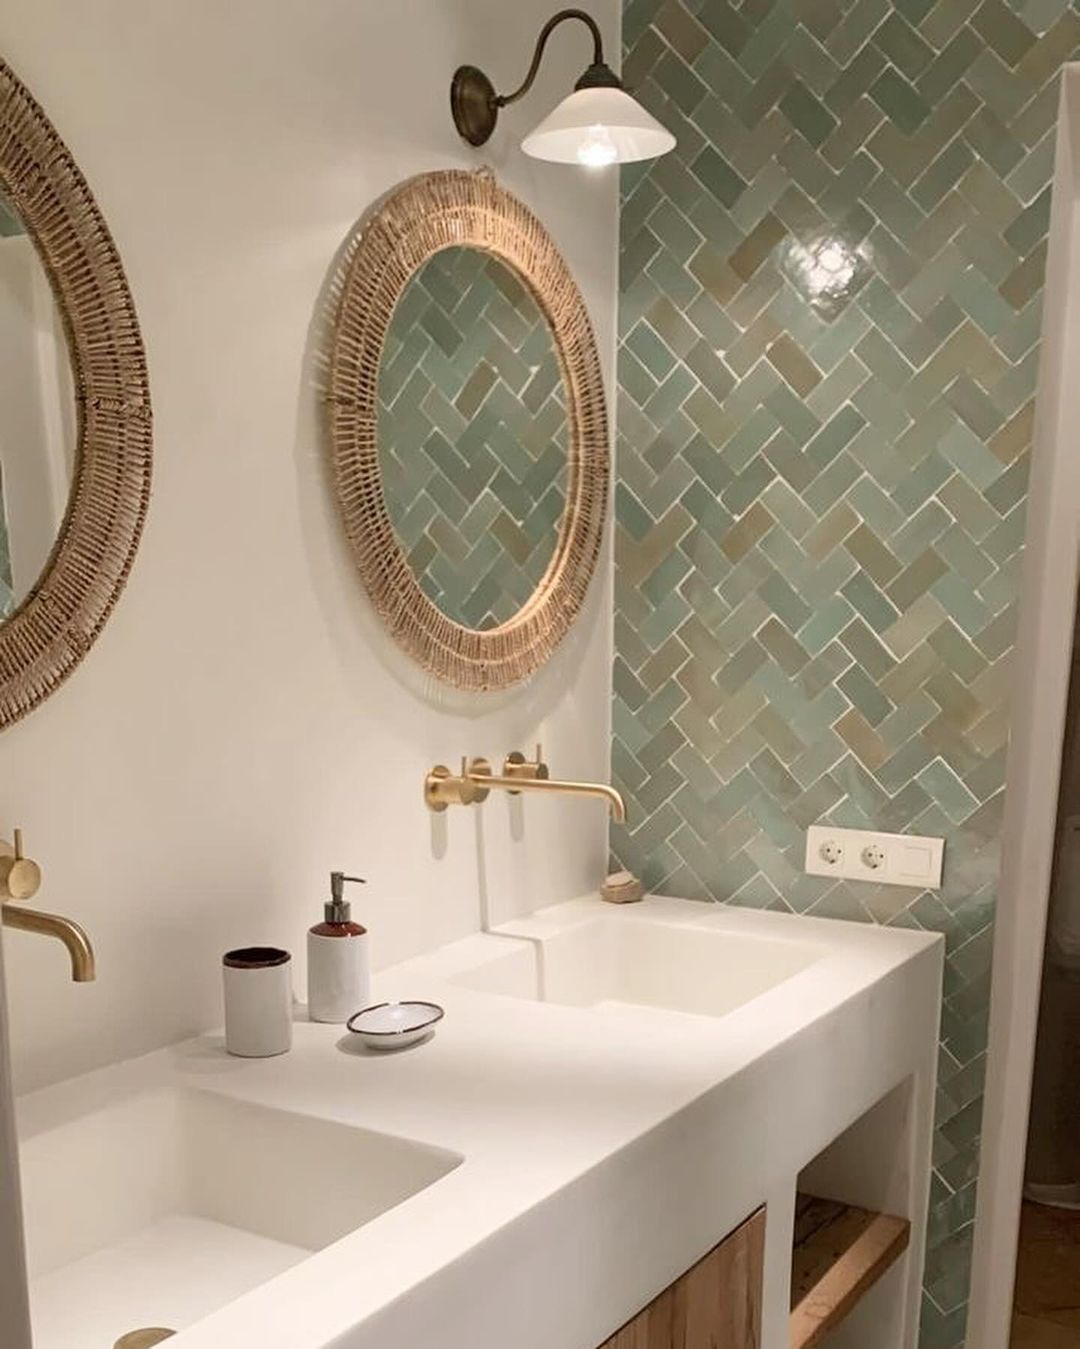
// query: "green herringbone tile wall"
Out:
[830,309]
[472,435]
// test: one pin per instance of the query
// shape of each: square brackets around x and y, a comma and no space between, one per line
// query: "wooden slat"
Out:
[840,1252]
[714,1305]
[813,1214]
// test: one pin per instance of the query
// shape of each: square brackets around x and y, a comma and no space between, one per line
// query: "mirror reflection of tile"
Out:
[472,436]
[7,584]
[10,225]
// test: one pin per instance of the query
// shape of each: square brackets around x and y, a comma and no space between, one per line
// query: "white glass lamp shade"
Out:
[596,127]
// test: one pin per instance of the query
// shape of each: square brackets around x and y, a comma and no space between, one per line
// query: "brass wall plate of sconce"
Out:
[75,422]
[468,429]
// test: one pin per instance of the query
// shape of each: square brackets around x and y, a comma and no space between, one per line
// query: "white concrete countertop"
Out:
[603,1152]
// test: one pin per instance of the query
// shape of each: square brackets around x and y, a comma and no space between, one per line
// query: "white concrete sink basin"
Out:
[166,1204]
[625,958]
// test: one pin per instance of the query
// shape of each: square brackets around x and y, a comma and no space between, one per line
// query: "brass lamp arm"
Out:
[501,100]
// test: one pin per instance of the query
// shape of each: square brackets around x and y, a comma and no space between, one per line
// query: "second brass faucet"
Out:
[20,878]
[443,788]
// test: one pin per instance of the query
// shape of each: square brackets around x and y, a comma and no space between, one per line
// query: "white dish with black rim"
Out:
[393,1025]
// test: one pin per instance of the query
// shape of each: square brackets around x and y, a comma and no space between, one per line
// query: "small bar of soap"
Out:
[621,888]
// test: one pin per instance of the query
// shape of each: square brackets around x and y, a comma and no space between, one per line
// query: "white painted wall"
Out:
[242,726]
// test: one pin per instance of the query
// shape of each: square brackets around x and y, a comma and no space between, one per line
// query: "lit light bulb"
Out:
[597,126]
[597,148]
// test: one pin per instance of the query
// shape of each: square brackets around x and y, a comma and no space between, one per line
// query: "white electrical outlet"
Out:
[881,859]
[831,853]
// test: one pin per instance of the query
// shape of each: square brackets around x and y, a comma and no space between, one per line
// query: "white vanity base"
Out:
[538,1170]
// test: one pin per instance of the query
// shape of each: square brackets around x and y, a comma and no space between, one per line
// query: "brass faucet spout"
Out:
[601,789]
[63,929]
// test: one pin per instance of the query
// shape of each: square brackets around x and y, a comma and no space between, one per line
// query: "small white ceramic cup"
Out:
[258,1001]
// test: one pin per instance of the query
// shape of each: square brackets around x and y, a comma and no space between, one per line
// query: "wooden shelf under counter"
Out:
[840,1252]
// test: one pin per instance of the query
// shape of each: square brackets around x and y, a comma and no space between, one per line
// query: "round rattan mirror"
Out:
[75,430]
[468,429]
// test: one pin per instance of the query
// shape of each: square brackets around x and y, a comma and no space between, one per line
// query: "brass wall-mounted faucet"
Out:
[20,879]
[472,785]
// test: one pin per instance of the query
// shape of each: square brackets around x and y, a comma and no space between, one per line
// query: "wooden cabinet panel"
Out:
[714,1305]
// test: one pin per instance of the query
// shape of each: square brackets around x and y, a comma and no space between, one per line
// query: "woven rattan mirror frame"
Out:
[426,214]
[55,625]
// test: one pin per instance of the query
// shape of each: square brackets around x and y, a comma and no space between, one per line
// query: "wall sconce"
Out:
[599,123]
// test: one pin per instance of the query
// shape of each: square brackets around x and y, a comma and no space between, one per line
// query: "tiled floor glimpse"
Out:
[1047,1308]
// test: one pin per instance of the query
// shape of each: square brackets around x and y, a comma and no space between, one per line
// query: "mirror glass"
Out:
[473,435]
[38,422]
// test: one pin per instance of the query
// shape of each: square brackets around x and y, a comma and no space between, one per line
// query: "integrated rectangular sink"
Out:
[165,1205]
[618,959]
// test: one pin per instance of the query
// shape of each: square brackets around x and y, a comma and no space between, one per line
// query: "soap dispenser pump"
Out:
[339,972]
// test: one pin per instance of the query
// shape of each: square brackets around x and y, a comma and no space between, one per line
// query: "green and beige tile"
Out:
[472,432]
[821,493]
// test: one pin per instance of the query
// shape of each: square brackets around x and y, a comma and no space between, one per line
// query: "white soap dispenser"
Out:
[339,971]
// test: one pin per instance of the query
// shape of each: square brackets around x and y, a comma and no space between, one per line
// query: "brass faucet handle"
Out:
[471,770]
[441,789]
[444,788]
[515,765]
[20,877]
